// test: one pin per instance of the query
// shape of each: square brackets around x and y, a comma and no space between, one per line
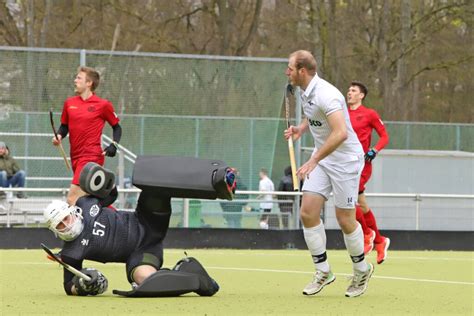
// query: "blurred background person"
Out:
[266,184]
[10,172]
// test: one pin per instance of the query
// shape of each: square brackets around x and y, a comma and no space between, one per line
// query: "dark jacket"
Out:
[286,183]
[9,164]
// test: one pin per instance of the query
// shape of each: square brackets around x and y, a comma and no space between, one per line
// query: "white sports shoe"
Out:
[320,280]
[360,281]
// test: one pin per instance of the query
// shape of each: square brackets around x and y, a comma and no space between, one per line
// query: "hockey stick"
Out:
[291,149]
[56,258]
[61,149]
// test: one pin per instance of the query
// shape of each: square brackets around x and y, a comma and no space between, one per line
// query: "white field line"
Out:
[343,274]
[271,270]
[306,254]
[302,253]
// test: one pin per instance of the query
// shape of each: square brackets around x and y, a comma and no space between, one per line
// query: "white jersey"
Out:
[319,100]
[266,185]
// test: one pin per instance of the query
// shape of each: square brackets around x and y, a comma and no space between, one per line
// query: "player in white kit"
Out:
[335,166]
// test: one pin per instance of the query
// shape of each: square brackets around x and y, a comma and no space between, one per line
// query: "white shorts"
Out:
[342,179]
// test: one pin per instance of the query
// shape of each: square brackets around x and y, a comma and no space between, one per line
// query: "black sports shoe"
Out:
[208,286]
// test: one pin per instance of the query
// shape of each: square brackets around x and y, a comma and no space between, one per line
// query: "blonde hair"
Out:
[91,75]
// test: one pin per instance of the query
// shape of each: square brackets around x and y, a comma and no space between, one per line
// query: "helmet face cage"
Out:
[70,216]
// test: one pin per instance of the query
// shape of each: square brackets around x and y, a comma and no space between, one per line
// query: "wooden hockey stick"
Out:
[291,149]
[60,147]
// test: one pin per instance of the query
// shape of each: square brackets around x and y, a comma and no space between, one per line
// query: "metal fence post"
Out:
[417,212]
[27,141]
[407,139]
[196,138]
[252,123]
[121,174]
[82,57]
[458,138]
[142,134]
[296,211]
[185,213]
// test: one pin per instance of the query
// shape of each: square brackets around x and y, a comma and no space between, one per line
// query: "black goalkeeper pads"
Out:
[96,180]
[184,177]
[188,275]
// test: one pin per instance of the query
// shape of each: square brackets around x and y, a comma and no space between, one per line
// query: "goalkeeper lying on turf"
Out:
[91,230]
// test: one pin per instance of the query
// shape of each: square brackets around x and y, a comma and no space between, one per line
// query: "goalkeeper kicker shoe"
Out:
[360,281]
[208,286]
[320,280]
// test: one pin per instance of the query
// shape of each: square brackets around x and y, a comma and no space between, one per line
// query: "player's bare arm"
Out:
[337,136]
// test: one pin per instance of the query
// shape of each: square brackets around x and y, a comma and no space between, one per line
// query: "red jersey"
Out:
[363,121]
[85,120]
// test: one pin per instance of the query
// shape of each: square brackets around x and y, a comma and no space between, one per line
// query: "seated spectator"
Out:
[10,172]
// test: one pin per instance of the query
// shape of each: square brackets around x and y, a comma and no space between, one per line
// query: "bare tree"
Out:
[8,28]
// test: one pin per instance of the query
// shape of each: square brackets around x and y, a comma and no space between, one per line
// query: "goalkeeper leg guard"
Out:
[164,283]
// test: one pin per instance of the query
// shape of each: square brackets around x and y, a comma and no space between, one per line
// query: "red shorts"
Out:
[79,163]
[365,176]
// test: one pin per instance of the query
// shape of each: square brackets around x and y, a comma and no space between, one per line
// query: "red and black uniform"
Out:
[85,120]
[363,121]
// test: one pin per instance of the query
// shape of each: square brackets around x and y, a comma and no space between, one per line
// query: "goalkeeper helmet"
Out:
[63,220]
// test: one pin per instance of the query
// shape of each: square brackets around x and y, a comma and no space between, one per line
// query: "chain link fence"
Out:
[229,108]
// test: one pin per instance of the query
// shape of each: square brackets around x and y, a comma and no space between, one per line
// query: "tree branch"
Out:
[252,30]
[186,15]
[442,65]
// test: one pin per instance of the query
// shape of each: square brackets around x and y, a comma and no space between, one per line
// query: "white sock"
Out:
[355,246]
[315,238]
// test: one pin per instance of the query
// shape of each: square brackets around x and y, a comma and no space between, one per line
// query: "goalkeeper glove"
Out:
[97,285]
[370,155]
[111,150]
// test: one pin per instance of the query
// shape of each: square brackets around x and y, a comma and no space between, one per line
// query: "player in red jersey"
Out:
[363,121]
[84,117]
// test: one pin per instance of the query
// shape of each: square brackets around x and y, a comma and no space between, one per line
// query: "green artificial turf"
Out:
[253,282]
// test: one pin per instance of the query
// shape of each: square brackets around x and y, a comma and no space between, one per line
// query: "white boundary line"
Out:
[277,271]
[344,274]
[303,253]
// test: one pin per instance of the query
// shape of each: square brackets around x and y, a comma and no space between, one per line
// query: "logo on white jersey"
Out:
[314,122]
[94,210]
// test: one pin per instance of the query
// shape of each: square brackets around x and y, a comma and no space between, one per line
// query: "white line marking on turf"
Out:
[305,254]
[343,274]
[271,270]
